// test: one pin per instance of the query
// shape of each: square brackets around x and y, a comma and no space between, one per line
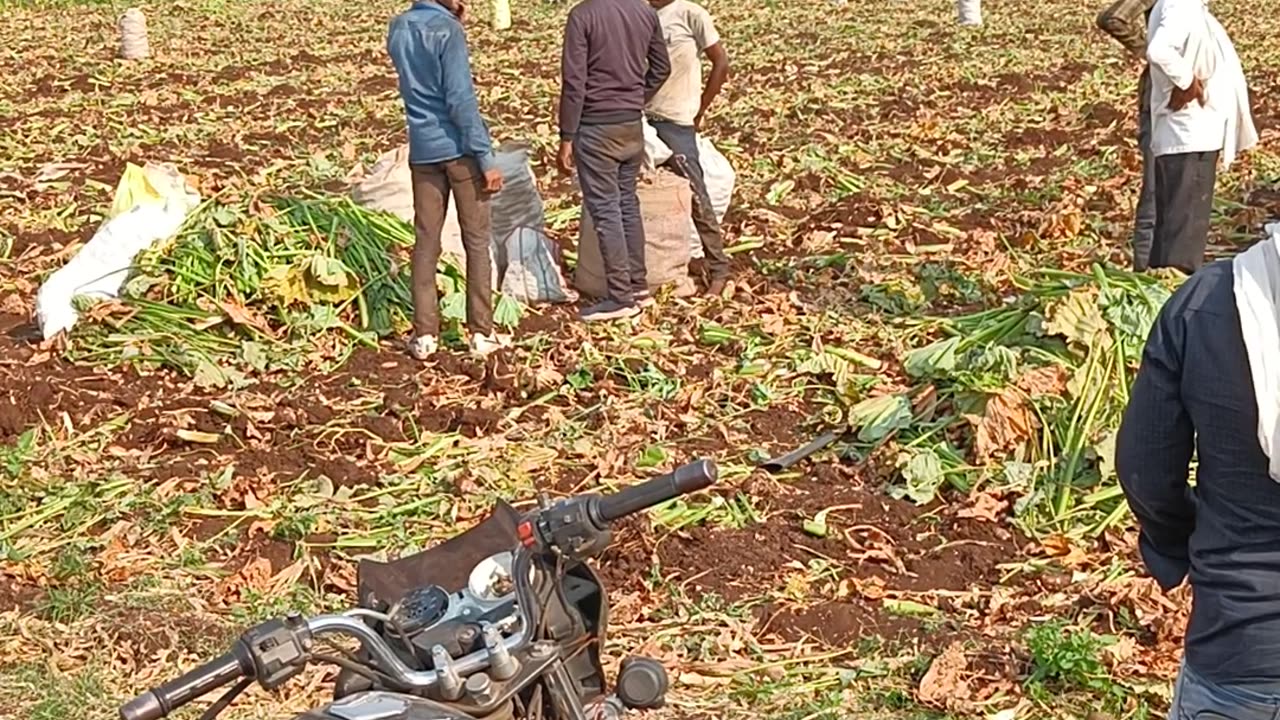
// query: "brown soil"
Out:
[147,633]
[777,426]
[838,623]
[342,472]
[909,548]
[1049,138]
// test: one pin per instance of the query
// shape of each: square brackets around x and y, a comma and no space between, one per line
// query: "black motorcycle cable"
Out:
[544,603]
[227,698]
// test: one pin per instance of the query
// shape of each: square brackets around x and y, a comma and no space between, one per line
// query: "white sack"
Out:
[101,267]
[969,12]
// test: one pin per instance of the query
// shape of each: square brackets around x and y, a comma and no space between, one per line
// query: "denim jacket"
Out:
[429,49]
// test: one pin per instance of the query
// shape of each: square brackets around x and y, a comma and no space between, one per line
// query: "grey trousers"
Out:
[608,159]
[1195,698]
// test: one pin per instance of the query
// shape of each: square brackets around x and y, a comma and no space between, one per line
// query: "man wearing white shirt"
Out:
[1200,117]
[676,112]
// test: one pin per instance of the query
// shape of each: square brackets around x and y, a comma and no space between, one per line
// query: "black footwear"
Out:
[608,310]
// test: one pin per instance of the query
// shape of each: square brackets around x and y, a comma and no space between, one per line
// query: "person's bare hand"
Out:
[1180,98]
[492,180]
[565,159]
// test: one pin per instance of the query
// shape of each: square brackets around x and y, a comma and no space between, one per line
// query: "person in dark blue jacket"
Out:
[450,152]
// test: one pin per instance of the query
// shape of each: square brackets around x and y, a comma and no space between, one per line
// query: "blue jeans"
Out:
[1144,222]
[1195,698]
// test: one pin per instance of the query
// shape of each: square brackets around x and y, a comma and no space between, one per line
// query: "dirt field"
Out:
[891,166]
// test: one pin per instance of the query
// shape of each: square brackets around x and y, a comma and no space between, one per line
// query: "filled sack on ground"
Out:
[517,222]
[665,203]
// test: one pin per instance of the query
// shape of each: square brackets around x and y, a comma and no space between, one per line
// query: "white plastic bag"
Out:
[720,179]
[103,264]
[656,152]
[532,274]
[969,12]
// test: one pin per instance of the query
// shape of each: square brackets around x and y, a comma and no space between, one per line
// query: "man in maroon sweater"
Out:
[614,62]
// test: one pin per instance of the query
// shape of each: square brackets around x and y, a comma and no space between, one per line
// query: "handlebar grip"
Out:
[160,701]
[685,479]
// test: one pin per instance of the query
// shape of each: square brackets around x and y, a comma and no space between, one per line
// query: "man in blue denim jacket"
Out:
[449,153]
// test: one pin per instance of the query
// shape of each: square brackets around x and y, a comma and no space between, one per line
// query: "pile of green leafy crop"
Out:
[1024,399]
[265,286]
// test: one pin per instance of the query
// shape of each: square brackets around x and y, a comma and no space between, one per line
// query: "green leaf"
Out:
[876,418]
[454,306]
[909,608]
[328,271]
[779,191]
[508,311]
[209,376]
[1106,451]
[580,379]
[1078,318]
[817,527]
[922,475]
[1019,474]
[935,360]
[254,355]
[652,456]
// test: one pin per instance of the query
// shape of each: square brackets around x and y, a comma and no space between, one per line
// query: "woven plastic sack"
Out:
[969,12]
[532,274]
[133,35]
[665,203]
[656,152]
[101,267]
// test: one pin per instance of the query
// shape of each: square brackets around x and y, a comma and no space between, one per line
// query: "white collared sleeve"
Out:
[1167,49]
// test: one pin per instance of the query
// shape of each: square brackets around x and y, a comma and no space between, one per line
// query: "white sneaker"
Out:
[421,348]
[487,344]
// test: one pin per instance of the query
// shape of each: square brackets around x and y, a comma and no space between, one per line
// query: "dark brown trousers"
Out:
[432,186]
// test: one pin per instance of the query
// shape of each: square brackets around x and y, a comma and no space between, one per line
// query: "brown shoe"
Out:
[716,287]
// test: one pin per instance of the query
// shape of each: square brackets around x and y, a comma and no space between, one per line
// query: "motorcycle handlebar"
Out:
[239,662]
[159,702]
[685,479]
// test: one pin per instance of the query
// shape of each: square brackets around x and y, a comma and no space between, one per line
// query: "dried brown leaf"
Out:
[1006,423]
[945,685]
[1050,380]
[986,506]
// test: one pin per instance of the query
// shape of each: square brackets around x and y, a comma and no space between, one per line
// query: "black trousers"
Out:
[1184,201]
[608,159]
